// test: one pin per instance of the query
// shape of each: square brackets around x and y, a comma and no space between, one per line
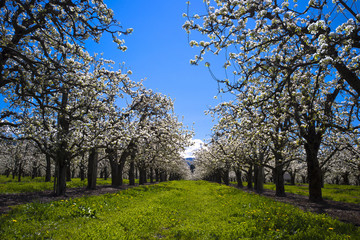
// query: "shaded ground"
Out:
[345,212]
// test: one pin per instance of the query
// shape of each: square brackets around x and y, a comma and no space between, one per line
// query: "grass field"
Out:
[342,193]
[171,210]
[9,185]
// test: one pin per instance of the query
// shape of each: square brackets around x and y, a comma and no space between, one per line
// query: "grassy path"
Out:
[171,210]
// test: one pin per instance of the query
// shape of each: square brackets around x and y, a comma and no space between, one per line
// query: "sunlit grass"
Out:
[171,210]
[343,193]
[27,184]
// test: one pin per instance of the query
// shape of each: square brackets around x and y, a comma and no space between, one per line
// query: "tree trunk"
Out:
[68,173]
[48,168]
[82,168]
[19,172]
[292,177]
[218,176]
[151,175]
[259,178]
[112,157]
[132,173]
[60,179]
[345,177]
[92,168]
[142,175]
[249,177]
[279,180]
[116,171]
[106,174]
[157,175]
[312,147]
[225,176]
[256,172]
[73,172]
[238,178]
[163,176]
[62,156]
[34,171]
[304,179]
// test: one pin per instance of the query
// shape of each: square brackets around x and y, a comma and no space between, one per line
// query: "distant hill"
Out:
[189,161]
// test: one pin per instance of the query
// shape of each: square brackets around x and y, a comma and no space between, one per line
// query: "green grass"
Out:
[171,210]
[9,185]
[342,193]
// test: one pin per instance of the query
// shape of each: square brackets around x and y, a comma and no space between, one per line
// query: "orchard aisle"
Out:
[170,210]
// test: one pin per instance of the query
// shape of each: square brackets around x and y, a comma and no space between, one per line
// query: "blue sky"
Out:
[158,50]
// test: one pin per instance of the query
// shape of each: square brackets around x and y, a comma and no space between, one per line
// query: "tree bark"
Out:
[279,182]
[238,178]
[279,177]
[259,178]
[92,168]
[142,175]
[151,175]
[157,175]
[218,175]
[19,172]
[132,173]
[60,179]
[163,176]
[292,177]
[62,156]
[116,179]
[48,168]
[312,147]
[249,177]
[106,174]
[345,177]
[82,167]
[225,176]
[68,173]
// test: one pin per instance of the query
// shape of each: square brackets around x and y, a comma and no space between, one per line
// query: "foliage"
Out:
[295,80]
[171,210]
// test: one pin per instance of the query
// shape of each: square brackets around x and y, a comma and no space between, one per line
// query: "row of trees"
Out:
[69,106]
[295,84]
